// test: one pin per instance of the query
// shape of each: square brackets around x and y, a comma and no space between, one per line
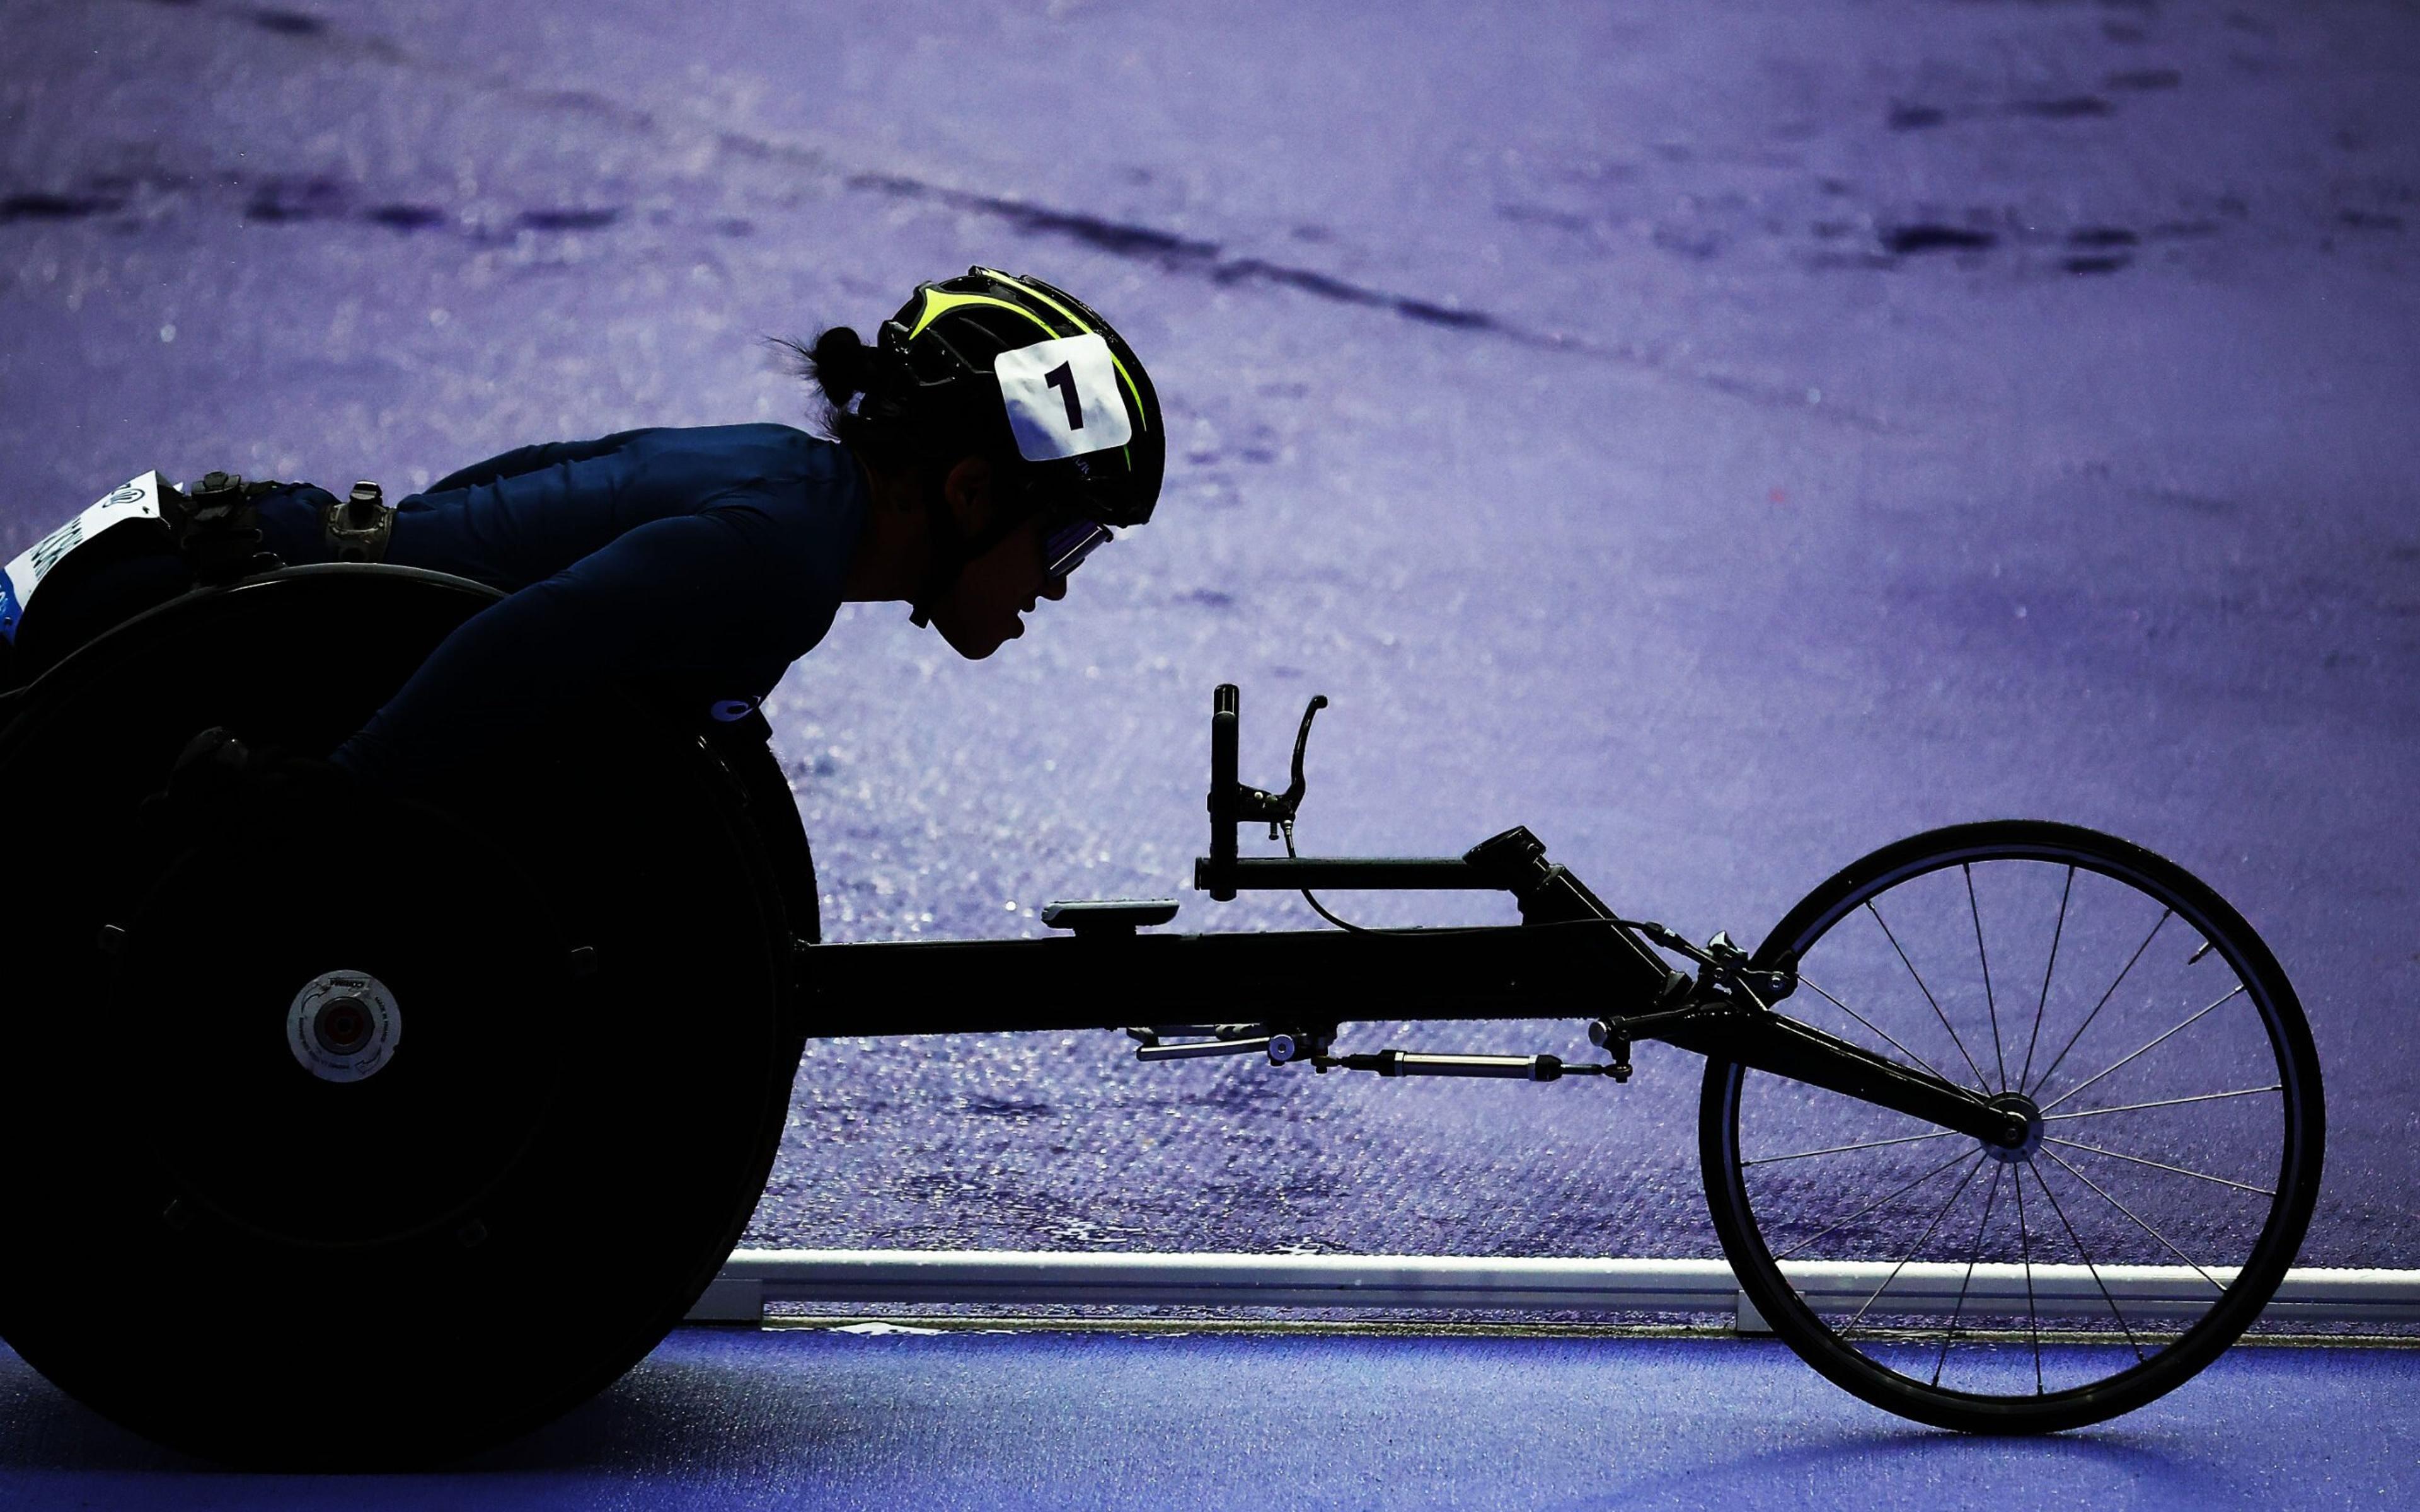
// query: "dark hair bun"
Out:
[843,364]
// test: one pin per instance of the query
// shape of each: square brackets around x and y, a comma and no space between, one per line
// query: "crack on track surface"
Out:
[1174,253]
[1192,257]
[299,197]
[1168,250]
[1930,236]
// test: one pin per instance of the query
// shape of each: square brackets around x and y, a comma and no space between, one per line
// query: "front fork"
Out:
[1769,1041]
[1725,1013]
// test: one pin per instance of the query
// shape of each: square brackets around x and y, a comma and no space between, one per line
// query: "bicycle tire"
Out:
[1805,1306]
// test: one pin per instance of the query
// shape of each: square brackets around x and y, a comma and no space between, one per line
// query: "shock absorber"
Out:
[1502,1067]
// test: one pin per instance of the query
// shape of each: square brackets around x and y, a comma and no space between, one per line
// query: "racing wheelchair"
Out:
[2008,1127]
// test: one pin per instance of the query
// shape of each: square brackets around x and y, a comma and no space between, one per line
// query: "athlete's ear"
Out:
[969,492]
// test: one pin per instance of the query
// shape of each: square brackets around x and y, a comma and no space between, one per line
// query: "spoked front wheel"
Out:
[2172,1095]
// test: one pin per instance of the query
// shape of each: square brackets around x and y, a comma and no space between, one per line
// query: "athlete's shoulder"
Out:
[761,433]
[763,448]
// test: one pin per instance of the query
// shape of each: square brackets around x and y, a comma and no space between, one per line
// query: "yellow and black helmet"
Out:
[1045,378]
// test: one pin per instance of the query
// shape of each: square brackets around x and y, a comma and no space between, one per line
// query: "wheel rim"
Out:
[2166,1074]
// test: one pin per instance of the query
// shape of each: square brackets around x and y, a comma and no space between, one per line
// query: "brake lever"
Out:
[1278,808]
[1295,789]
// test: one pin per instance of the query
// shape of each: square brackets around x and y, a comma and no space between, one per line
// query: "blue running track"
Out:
[1066,1422]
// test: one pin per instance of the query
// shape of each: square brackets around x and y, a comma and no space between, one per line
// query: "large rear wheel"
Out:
[2166,1074]
[350,1136]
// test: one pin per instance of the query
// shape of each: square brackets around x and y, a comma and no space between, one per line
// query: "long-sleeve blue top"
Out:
[699,563]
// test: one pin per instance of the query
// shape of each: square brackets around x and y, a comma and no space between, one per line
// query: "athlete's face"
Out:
[986,608]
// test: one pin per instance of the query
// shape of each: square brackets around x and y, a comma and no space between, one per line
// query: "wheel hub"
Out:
[2017,1106]
[343,1026]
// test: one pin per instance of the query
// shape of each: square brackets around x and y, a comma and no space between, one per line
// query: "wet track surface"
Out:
[1723,441]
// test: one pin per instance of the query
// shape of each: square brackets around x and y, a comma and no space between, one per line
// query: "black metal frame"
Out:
[1279,993]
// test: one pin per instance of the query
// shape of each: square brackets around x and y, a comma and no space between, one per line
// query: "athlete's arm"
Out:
[699,594]
[523,459]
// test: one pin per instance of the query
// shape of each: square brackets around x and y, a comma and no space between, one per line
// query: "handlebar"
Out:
[1223,721]
[1233,803]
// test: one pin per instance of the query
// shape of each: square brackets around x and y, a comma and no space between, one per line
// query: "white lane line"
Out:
[1050,1278]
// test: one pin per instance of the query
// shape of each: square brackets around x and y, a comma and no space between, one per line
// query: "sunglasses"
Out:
[1064,546]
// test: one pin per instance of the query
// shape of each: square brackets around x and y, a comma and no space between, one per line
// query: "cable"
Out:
[1661,935]
[1287,826]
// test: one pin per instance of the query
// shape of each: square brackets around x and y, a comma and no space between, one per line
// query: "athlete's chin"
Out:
[979,647]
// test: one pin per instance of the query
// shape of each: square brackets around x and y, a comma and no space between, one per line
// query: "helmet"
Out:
[1034,370]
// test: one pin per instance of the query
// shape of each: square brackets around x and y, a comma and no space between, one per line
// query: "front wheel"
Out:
[2172,1094]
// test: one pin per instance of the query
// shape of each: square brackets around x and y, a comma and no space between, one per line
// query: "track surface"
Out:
[1079,1421]
[1724,439]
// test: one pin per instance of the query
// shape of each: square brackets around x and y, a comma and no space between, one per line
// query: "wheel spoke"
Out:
[2165,914]
[2179,1170]
[1879,1201]
[1999,1056]
[2078,1242]
[2138,1221]
[2024,1077]
[1877,1029]
[1959,1191]
[2025,1253]
[1967,1280]
[2104,1070]
[1979,1080]
[2167,1103]
[1842,1150]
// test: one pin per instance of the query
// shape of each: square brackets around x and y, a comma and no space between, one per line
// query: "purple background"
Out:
[1723,438]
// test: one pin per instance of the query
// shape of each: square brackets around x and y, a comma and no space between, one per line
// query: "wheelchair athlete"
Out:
[996,433]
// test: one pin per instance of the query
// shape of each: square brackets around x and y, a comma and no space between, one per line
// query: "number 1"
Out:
[1063,378]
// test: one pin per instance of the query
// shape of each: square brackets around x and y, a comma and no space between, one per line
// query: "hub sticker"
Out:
[343,1026]
[138,500]
[1063,398]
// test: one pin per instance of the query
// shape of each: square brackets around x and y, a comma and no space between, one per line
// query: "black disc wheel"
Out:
[343,1133]
[2171,1095]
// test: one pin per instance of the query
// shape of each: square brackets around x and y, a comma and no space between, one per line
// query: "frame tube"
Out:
[1284,873]
[1575,970]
